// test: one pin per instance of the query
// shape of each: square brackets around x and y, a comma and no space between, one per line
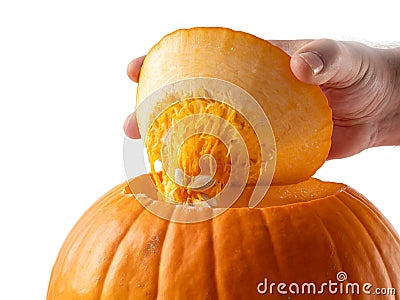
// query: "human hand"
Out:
[360,82]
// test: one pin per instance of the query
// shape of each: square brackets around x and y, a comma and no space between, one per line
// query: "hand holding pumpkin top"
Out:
[360,82]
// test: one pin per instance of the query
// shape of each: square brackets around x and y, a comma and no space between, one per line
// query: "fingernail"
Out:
[314,61]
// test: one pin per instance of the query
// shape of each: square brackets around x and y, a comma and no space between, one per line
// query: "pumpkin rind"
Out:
[119,250]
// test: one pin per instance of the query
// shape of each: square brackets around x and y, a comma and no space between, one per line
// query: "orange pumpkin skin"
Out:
[119,250]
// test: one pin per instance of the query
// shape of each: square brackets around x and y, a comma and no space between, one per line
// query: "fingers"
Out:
[131,127]
[134,68]
[326,62]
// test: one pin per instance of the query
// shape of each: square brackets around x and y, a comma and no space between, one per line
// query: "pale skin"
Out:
[362,85]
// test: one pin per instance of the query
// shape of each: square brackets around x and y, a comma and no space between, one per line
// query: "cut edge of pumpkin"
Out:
[310,190]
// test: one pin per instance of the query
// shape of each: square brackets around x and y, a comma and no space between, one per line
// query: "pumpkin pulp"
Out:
[193,151]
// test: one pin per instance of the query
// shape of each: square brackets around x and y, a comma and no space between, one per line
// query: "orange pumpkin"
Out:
[120,250]
[306,239]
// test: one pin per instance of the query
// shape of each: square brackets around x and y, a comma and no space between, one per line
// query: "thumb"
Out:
[325,61]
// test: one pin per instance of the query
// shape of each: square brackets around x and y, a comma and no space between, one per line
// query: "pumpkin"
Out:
[309,233]
[154,237]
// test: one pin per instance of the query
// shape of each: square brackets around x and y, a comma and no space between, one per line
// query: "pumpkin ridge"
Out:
[213,252]
[328,234]
[96,207]
[85,222]
[119,242]
[349,216]
[161,257]
[378,249]
[379,216]
[74,236]
[264,217]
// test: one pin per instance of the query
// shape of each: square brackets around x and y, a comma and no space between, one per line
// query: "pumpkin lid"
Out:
[298,114]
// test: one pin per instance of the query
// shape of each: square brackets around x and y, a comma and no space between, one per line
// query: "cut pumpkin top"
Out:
[298,113]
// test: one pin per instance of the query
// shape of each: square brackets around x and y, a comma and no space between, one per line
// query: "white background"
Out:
[64,94]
